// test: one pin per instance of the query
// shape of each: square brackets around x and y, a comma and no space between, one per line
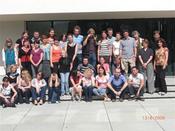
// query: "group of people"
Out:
[108,66]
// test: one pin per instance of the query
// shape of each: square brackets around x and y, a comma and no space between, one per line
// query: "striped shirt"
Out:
[104,48]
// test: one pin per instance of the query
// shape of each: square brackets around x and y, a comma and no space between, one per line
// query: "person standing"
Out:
[104,48]
[128,51]
[90,47]
[36,57]
[9,55]
[160,64]
[146,60]
[78,40]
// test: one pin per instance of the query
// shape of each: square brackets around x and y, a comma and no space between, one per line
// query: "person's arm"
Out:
[32,60]
[86,40]
[166,58]
[111,88]
[16,56]
[14,94]
[93,81]
[72,81]
[3,57]
[141,86]
[123,87]
[41,58]
[51,64]
[75,54]
[43,83]
[29,85]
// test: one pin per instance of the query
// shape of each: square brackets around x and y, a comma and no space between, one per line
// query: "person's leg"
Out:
[79,57]
[85,90]
[34,95]
[158,78]
[94,59]
[33,71]
[124,92]
[54,96]
[150,78]
[67,82]
[132,91]
[27,96]
[50,94]
[112,94]
[62,84]
[95,91]
[42,93]
[125,64]
[163,82]
[90,88]
[20,96]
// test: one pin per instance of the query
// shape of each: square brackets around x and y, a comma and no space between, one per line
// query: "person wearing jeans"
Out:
[54,88]
[117,85]
[136,84]
[88,82]
[38,88]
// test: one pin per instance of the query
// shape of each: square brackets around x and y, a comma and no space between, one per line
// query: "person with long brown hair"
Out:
[160,64]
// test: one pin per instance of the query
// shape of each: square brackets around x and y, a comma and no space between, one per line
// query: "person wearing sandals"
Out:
[38,89]
[101,84]
[75,79]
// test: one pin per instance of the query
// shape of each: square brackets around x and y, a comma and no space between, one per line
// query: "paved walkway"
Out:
[150,115]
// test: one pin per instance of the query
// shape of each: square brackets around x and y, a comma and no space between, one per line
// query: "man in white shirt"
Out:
[136,84]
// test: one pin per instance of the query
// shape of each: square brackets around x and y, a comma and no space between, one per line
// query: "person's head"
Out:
[5,81]
[36,44]
[54,76]
[64,37]
[85,61]
[134,70]
[88,73]
[8,43]
[25,75]
[44,39]
[110,32]
[102,60]
[13,68]
[25,35]
[26,44]
[103,35]
[156,35]
[145,43]
[135,34]
[117,72]
[36,34]
[70,38]
[101,70]
[56,42]
[118,36]
[77,30]
[161,43]
[51,33]
[39,75]
[91,31]
[54,80]
[117,60]
[126,33]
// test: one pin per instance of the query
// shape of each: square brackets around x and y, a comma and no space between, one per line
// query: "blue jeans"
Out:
[64,83]
[41,94]
[92,59]
[99,91]
[54,94]
[79,59]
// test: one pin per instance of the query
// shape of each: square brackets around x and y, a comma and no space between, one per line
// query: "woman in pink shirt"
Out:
[103,63]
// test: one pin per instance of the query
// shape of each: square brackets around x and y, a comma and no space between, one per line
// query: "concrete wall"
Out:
[12,30]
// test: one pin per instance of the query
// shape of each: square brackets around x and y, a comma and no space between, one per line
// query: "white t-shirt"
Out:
[116,46]
[88,82]
[136,79]
[6,91]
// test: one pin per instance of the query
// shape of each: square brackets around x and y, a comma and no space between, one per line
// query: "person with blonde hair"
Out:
[9,54]
[88,82]
[24,87]
[54,88]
